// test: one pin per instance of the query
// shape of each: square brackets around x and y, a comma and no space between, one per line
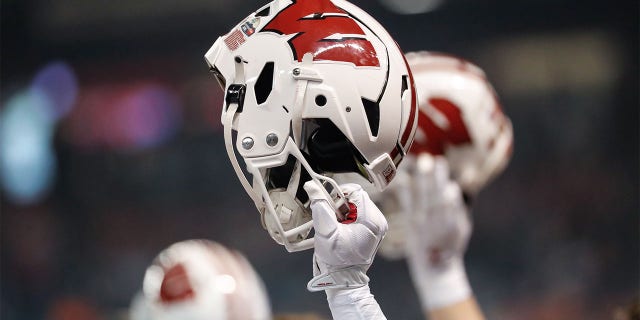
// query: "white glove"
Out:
[345,250]
[439,232]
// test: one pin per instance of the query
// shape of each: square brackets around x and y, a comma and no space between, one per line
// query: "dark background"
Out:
[111,149]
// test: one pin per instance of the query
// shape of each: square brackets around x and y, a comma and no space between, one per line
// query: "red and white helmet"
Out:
[460,117]
[312,88]
[200,280]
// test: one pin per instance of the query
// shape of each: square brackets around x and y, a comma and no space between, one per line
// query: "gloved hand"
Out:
[439,231]
[344,250]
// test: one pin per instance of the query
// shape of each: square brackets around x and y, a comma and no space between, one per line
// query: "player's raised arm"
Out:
[344,250]
[464,140]
[437,237]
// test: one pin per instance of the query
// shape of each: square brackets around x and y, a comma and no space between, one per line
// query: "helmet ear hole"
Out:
[264,84]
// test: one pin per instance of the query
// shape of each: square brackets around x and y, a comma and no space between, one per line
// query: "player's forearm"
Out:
[467,309]
[445,293]
[354,304]
[439,286]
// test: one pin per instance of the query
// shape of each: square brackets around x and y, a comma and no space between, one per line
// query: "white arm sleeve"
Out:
[440,230]
[442,286]
[354,304]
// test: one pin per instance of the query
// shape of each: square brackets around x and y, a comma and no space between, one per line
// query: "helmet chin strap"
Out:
[233,104]
[227,124]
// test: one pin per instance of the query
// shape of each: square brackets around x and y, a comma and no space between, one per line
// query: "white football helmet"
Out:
[200,280]
[312,88]
[460,117]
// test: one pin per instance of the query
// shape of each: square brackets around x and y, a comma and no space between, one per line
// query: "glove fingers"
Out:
[434,169]
[325,222]
[324,217]
[441,171]
[368,212]
[315,191]
[349,188]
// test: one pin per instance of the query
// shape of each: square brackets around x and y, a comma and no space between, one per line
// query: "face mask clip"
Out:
[235,95]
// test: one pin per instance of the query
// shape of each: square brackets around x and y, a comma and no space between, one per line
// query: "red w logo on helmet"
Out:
[455,132]
[175,285]
[324,30]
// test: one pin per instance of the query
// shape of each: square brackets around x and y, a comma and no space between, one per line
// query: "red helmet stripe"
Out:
[455,133]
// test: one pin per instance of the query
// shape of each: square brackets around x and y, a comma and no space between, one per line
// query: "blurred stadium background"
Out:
[111,149]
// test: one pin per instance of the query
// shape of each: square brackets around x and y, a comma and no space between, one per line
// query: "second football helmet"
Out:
[460,117]
[200,280]
[312,88]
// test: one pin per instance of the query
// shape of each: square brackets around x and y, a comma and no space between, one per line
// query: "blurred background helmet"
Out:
[200,280]
[461,118]
[312,88]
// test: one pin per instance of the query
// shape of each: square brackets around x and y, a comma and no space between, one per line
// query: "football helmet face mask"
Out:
[200,280]
[312,88]
[460,117]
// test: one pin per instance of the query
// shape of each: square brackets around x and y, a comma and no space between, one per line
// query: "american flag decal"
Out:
[234,40]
